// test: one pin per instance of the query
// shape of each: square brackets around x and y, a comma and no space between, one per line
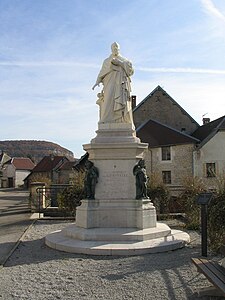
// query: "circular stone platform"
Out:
[117,241]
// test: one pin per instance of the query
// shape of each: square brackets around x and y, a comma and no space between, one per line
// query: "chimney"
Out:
[133,101]
[205,120]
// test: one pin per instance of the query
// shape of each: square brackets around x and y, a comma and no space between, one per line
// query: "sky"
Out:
[51,52]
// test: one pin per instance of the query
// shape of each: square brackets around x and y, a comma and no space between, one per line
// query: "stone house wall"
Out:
[180,165]
[160,106]
[66,177]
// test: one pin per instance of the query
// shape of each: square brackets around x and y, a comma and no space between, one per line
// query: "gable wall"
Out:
[160,107]
[20,176]
[65,176]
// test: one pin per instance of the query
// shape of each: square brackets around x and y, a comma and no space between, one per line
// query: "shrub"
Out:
[216,217]
[71,196]
[216,209]
[193,186]
[158,193]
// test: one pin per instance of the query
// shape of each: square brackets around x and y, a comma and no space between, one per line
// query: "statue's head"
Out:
[115,48]
[141,163]
[88,164]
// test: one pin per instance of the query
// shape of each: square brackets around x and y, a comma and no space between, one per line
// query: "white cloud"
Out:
[181,70]
[212,10]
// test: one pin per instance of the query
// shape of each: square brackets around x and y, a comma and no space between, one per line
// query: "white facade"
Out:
[9,171]
[13,176]
[211,154]
[20,175]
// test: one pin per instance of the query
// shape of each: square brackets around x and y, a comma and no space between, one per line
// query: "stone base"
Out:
[117,241]
[115,133]
[116,213]
[115,223]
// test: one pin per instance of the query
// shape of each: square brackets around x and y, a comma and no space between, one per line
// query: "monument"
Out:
[116,217]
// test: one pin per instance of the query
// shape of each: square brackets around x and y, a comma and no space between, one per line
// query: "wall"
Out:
[8,171]
[180,165]
[212,152]
[20,176]
[160,107]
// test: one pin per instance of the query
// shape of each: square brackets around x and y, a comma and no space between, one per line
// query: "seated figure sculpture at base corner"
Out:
[91,179]
[114,100]
[139,172]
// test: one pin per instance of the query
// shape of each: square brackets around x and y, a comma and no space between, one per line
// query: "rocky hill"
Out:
[35,150]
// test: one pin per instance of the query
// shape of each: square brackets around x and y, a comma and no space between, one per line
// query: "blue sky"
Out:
[51,52]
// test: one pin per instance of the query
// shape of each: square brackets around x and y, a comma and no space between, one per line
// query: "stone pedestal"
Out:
[115,223]
[116,213]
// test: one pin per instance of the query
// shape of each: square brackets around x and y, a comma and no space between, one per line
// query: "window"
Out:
[166,176]
[166,153]
[210,170]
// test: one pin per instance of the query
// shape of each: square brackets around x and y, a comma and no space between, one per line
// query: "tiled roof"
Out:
[48,163]
[206,130]
[21,163]
[156,135]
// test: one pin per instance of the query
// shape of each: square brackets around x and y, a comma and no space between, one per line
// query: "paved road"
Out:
[14,219]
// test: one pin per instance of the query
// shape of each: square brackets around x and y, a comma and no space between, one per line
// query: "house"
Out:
[209,155]
[15,170]
[69,170]
[170,153]
[46,170]
[178,146]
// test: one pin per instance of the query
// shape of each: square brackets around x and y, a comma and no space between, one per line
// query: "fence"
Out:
[46,198]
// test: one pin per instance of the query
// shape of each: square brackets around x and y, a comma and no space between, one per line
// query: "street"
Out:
[14,219]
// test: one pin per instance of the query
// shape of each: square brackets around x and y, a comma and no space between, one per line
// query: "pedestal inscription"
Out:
[116,183]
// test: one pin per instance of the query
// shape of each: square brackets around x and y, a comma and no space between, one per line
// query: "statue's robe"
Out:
[116,104]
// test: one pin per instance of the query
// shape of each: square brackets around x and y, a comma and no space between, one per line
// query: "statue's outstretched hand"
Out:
[94,86]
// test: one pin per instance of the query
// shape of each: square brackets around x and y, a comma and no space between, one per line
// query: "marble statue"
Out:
[139,172]
[114,100]
[91,180]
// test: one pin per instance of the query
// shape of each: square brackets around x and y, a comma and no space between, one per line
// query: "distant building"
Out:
[47,168]
[15,170]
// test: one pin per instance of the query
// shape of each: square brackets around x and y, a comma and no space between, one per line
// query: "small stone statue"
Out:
[90,180]
[139,172]
[100,101]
